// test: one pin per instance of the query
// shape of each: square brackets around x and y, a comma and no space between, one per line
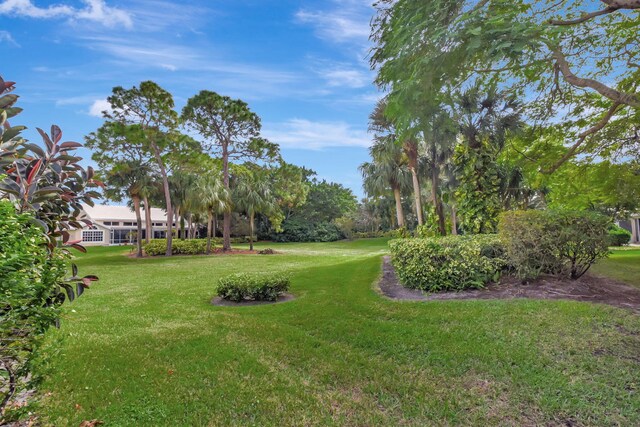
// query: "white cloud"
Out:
[146,53]
[348,21]
[308,135]
[94,11]
[98,106]
[5,36]
[342,77]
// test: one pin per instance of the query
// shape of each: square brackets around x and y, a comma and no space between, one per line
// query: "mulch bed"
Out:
[588,288]
[225,303]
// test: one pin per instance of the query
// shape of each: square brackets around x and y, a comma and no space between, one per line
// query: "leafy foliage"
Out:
[228,129]
[180,247]
[557,242]
[557,54]
[302,230]
[253,287]
[326,201]
[141,123]
[618,236]
[41,190]
[448,263]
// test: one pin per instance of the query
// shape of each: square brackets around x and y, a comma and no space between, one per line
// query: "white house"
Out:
[633,225]
[117,225]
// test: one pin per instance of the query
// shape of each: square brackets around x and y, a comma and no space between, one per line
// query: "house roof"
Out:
[119,213]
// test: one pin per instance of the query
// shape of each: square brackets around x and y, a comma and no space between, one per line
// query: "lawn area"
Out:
[623,265]
[144,347]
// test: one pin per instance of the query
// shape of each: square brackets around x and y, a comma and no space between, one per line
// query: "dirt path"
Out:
[588,288]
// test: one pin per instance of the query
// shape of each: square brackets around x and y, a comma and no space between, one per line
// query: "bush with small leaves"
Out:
[180,247]
[253,287]
[372,234]
[42,187]
[267,251]
[557,242]
[618,236]
[448,263]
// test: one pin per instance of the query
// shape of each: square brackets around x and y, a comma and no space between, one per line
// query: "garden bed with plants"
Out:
[589,288]
[158,247]
[537,254]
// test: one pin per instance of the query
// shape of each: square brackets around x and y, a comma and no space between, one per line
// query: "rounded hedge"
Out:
[253,287]
[618,236]
[448,263]
[180,247]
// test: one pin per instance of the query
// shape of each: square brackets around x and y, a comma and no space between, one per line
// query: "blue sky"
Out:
[301,65]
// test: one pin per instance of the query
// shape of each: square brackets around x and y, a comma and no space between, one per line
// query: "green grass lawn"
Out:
[145,348]
[623,264]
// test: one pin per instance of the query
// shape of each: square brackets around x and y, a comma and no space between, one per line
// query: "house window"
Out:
[158,224]
[92,235]
[130,224]
[119,237]
[111,223]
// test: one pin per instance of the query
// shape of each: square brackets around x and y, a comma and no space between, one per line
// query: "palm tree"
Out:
[128,178]
[439,133]
[380,124]
[181,185]
[253,194]
[386,172]
[214,199]
[148,188]
[485,121]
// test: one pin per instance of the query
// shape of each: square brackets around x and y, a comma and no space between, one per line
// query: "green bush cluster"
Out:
[180,247]
[374,234]
[618,236]
[29,277]
[253,287]
[448,263]
[295,230]
[562,243]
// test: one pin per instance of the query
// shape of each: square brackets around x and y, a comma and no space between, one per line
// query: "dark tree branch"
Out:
[612,6]
[11,388]
[583,18]
[604,90]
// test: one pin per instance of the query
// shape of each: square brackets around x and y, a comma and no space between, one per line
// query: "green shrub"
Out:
[372,234]
[297,230]
[180,247]
[618,236]
[29,277]
[448,263]
[253,287]
[562,243]
[346,224]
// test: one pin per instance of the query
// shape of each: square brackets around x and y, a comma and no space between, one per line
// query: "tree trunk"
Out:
[251,221]
[147,218]
[416,195]
[454,220]
[437,203]
[136,208]
[399,211]
[190,227]
[182,233]
[226,220]
[209,230]
[167,197]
